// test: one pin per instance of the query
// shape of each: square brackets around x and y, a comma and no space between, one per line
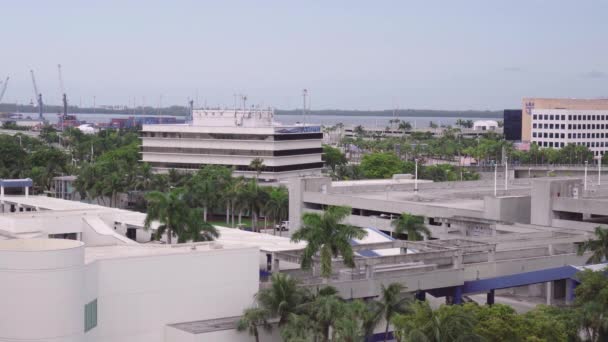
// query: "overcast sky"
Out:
[350,54]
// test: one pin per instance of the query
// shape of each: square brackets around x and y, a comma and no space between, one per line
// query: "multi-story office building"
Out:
[235,138]
[559,122]
[512,124]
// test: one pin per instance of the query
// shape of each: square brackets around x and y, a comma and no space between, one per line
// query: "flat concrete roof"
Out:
[205,326]
[50,203]
[94,253]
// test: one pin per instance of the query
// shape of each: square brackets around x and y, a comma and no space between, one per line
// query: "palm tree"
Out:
[277,206]
[413,225]
[176,217]
[325,310]
[281,298]
[350,325]
[598,246]
[257,164]
[299,328]
[392,303]
[252,319]
[327,236]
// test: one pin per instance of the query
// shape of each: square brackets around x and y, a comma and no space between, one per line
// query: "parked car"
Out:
[282,227]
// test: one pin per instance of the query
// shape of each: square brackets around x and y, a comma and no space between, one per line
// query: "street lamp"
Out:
[495,177]
[416,175]
[506,175]
[586,163]
[599,170]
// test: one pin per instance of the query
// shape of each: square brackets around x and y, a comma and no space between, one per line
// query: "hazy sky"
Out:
[350,54]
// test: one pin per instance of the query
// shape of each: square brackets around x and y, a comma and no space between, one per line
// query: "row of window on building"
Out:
[570,135]
[571,117]
[570,126]
[589,144]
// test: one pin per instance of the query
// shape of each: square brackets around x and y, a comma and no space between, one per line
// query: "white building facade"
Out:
[235,138]
[559,127]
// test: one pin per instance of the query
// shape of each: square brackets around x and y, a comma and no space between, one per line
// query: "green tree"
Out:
[598,246]
[257,164]
[591,302]
[252,319]
[392,303]
[282,298]
[205,187]
[176,218]
[333,157]
[412,225]
[381,165]
[277,205]
[327,236]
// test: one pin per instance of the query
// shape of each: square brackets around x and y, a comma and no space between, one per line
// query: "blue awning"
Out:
[16,183]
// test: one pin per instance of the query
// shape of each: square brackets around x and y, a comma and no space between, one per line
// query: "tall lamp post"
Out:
[585,184]
[416,176]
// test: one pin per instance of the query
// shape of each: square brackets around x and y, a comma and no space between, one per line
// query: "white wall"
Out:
[137,297]
[42,293]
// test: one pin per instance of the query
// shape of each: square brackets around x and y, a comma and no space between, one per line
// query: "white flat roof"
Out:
[50,203]
[94,253]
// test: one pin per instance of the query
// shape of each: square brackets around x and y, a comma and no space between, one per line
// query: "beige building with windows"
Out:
[559,122]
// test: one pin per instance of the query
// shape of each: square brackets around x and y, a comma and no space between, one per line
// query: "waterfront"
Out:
[326,120]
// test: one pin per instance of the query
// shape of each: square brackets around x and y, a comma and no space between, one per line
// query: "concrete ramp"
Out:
[97,233]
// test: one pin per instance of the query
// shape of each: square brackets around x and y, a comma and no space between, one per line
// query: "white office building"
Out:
[559,127]
[235,138]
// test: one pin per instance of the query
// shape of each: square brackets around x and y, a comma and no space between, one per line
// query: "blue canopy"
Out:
[16,183]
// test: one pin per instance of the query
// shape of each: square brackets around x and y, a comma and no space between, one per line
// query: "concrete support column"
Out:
[369,271]
[490,297]
[457,260]
[457,295]
[492,255]
[268,262]
[27,192]
[570,286]
[549,292]
[275,264]
[550,250]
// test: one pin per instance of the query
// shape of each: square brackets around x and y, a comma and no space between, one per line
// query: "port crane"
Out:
[3,88]
[64,97]
[38,97]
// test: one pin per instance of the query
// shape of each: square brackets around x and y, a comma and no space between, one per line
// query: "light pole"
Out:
[599,171]
[506,175]
[585,184]
[416,175]
[495,177]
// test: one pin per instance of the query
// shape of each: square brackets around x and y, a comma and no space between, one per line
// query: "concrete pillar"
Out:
[570,286]
[457,260]
[492,255]
[275,264]
[549,292]
[550,250]
[458,295]
[268,262]
[490,297]
[369,271]
[27,191]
